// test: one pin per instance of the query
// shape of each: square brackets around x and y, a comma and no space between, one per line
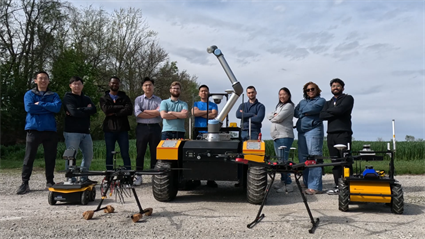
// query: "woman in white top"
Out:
[282,134]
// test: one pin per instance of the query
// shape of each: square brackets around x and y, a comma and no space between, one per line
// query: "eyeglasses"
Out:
[311,89]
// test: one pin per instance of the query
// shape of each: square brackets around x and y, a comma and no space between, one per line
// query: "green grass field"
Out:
[409,157]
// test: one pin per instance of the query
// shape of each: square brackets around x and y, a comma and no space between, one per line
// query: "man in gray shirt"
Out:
[148,131]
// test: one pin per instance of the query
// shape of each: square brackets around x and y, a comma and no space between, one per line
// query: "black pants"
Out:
[49,139]
[333,139]
[147,134]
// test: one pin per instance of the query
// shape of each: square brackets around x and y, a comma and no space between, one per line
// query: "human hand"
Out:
[36,103]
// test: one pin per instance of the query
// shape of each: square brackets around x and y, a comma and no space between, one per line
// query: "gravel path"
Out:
[206,213]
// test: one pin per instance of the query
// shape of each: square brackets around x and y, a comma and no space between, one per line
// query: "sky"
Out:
[376,47]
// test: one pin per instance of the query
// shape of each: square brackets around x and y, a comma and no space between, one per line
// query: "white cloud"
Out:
[376,47]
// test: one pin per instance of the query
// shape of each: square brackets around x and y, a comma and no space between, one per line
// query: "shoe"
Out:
[334,191]
[309,191]
[24,188]
[212,184]
[138,180]
[289,188]
[89,181]
[49,184]
[281,189]
[278,185]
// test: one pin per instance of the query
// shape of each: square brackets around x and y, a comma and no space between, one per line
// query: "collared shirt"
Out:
[144,103]
[173,124]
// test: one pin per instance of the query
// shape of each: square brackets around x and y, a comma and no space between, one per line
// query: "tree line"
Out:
[91,43]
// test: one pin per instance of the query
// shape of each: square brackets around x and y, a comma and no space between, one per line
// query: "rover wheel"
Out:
[343,196]
[51,198]
[256,184]
[85,197]
[397,200]
[165,186]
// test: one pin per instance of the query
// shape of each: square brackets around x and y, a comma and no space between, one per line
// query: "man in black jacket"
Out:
[78,108]
[337,111]
[117,107]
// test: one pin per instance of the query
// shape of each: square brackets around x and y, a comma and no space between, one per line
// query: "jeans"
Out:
[172,135]
[285,177]
[85,144]
[122,139]
[254,135]
[147,134]
[49,139]
[311,143]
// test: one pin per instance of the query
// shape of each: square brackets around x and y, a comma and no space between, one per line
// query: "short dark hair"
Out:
[75,79]
[40,72]
[148,79]
[251,87]
[204,86]
[339,81]
[115,77]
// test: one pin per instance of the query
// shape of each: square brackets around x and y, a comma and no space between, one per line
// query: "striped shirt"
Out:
[144,103]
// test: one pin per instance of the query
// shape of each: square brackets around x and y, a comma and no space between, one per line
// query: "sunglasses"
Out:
[311,89]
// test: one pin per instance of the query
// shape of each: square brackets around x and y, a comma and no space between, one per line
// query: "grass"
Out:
[409,158]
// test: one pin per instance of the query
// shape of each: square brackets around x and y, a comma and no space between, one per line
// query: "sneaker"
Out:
[24,188]
[334,191]
[278,185]
[89,181]
[212,184]
[289,188]
[138,180]
[282,189]
[49,184]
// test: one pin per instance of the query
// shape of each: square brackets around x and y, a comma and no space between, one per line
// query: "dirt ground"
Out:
[206,213]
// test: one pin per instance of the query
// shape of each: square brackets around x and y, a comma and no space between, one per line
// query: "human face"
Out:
[336,89]
[148,87]
[114,84]
[311,91]
[175,91]
[283,96]
[203,93]
[251,93]
[76,87]
[42,81]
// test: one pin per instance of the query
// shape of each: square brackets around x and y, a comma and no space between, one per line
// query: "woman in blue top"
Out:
[310,134]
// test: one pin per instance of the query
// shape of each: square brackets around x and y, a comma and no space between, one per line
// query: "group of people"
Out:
[41,105]
[311,111]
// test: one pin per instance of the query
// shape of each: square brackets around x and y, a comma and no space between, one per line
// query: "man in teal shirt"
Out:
[173,112]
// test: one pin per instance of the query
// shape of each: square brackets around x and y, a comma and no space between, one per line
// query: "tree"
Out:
[410,138]
[28,32]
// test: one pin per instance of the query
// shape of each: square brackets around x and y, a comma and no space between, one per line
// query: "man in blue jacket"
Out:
[41,105]
[254,110]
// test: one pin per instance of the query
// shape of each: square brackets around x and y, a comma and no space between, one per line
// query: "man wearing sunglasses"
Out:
[337,111]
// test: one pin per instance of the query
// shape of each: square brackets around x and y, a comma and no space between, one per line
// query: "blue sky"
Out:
[376,47]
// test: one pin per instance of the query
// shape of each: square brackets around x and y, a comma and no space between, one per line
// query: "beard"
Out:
[336,92]
[177,95]
[114,88]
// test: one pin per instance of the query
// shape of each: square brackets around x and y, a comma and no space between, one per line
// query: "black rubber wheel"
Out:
[92,194]
[51,198]
[343,196]
[85,197]
[256,184]
[397,200]
[165,187]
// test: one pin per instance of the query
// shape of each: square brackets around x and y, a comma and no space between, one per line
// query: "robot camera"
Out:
[217,98]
